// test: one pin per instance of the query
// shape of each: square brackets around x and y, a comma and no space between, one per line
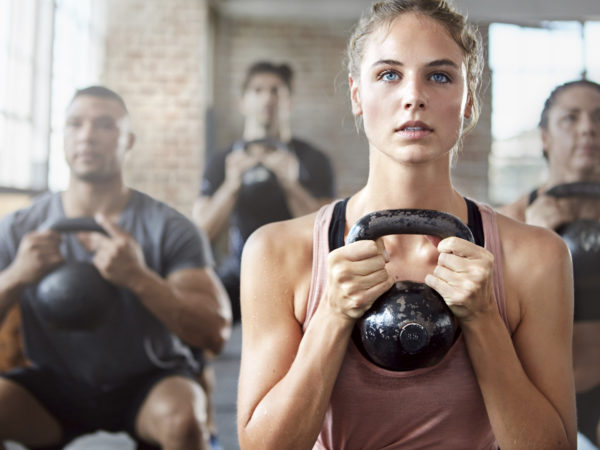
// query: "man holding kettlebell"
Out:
[133,371]
[266,176]
[570,131]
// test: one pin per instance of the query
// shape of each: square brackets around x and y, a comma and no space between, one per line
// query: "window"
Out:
[526,64]
[46,49]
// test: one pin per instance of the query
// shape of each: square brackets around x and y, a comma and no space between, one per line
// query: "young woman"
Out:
[507,381]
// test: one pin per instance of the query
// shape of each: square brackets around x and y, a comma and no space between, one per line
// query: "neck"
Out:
[83,198]
[254,131]
[393,185]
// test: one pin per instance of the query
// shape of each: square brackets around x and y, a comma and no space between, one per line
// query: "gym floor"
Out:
[226,366]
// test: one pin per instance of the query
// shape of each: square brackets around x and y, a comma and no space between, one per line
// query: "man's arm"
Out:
[191,302]
[211,212]
[37,254]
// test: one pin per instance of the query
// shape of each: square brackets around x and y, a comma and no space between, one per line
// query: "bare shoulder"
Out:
[280,241]
[536,263]
[529,244]
[277,268]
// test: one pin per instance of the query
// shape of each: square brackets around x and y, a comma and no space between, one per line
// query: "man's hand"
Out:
[236,163]
[38,253]
[284,164]
[118,256]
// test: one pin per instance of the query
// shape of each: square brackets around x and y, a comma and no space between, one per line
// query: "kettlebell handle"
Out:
[408,221]
[585,189]
[77,224]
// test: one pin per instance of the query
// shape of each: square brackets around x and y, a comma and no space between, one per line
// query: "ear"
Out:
[546,141]
[130,141]
[355,97]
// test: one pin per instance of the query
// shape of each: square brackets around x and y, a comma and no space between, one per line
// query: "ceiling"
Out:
[515,11]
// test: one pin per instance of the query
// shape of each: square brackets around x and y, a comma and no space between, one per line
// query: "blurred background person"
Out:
[265,176]
[128,367]
[570,132]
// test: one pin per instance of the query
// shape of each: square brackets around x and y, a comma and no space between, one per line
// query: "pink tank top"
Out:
[439,407]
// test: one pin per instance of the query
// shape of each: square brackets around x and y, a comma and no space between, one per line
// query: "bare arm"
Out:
[38,253]
[211,213]
[526,379]
[287,377]
[192,303]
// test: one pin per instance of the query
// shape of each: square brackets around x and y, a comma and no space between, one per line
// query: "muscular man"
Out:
[570,126]
[135,371]
[266,176]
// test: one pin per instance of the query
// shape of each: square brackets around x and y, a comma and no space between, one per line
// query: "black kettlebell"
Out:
[582,236]
[74,296]
[409,326]
[258,179]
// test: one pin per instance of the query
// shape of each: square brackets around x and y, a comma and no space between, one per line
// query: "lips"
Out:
[414,126]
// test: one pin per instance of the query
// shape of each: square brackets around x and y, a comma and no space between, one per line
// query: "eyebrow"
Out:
[434,63]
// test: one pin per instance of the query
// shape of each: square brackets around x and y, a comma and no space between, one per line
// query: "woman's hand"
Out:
[357,277]
[463,277]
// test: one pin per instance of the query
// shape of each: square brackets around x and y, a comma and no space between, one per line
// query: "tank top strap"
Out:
[492,243]
[319,259]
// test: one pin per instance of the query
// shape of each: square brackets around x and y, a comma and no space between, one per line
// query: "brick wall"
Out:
[321,105]
[159,55]
[321,109]
[155,57]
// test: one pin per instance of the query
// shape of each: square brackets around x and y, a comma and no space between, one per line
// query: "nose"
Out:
[413,95]
[588,125]
[85,131]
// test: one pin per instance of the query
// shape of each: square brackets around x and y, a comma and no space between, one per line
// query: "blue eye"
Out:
[440,78]
[390,76]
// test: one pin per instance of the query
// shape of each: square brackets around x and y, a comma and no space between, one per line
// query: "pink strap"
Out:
[492,243]
[318,279]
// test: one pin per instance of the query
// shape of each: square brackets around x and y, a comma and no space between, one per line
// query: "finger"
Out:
[454,262]
[458,246]
[369,279]
[450,277]
[442,287]
[360,250]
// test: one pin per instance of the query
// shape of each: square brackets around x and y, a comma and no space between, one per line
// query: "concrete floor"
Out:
[226,367]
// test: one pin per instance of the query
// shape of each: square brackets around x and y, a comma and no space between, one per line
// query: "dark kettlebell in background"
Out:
[258,179]
[583,239]
[409,326]
[75,296]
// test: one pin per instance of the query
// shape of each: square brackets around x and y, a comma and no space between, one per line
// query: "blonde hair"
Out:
[464,34]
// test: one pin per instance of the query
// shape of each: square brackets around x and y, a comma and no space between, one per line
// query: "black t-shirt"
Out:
[265,201]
